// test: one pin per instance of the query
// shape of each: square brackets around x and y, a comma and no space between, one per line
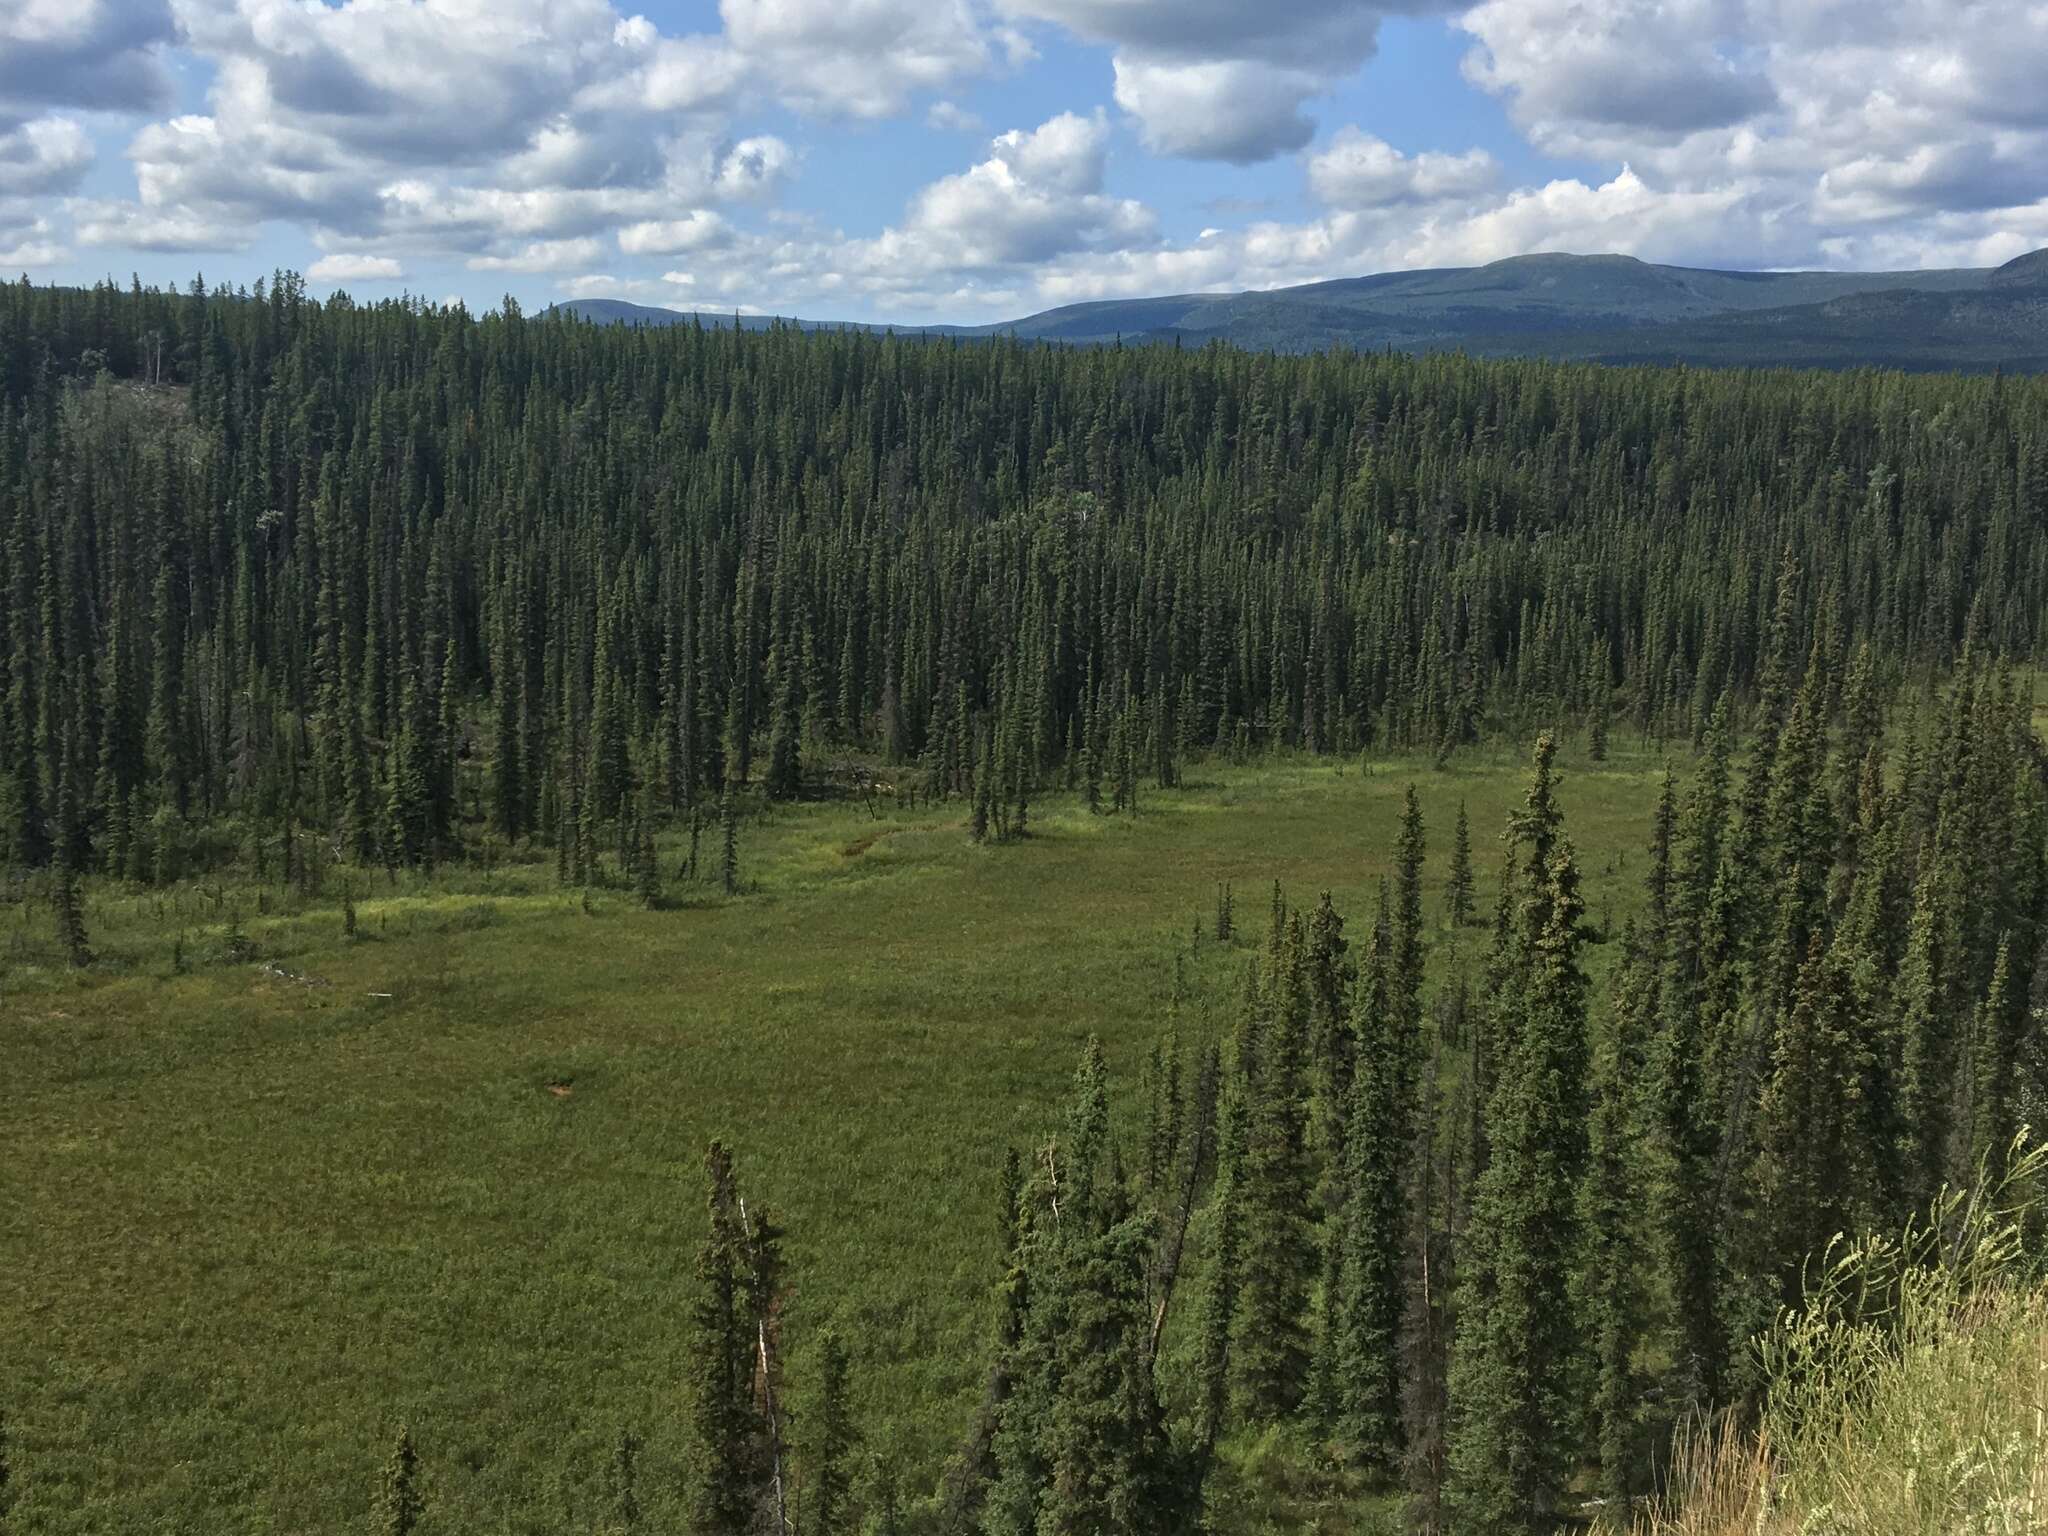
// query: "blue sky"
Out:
[974,159]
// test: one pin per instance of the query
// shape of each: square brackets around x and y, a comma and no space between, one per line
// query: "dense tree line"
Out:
[1504,1285]
[295,581]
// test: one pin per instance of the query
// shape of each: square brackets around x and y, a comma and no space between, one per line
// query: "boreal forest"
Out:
[729,930]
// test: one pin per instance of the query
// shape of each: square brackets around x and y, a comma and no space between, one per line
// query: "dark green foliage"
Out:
[1682,1119]
[1220,1301]
[728,843]
[1516,1367]
[1813,1169]
[70,912]
[1458,883]
[1611,1297]
[729,1470]
[1426,1322]
[1080,1444]
[785,774]
[402,1505]
[984,777]
[447,618]
[833,1443]
[885,1513]
[1368,1301]
[1270,1349]
[646,865]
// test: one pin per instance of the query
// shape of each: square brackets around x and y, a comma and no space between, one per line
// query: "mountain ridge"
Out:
[1597,308]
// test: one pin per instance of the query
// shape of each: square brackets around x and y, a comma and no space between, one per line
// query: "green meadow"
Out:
[269,1189]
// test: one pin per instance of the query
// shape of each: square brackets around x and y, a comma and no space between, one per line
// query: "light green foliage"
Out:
[1904,1388]
[871,1024]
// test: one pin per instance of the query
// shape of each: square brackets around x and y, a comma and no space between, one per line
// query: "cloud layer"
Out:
[576,145]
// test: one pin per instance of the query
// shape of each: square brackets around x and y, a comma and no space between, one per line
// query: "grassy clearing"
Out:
[450,1172]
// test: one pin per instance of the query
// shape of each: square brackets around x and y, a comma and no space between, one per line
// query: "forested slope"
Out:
[291,562]
[293,590]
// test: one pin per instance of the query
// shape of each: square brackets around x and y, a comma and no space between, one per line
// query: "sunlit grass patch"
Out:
[253,1217]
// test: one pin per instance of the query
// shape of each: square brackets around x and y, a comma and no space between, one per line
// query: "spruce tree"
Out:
[1989,1115]
[726,1474]
[1405,971]
[984,774]
[646,863]
[1426,1320]
[1080,1444]
[1516,1363]
[402,1505]
[1368,1299]
[1812,1173]
[1220,1302]
[885,1513]
[1682,1123]
[70,912]
[834,1444]
[729,844]
[785,768]
[1458,884]
[1611,1289]
[1270,1351]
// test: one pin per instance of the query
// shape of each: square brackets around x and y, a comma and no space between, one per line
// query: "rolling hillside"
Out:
[1594,308]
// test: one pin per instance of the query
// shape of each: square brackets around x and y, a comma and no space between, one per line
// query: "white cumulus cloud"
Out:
[343,268]
[857,58]
[698,230]
[42,156]
[1037,195]
[754,169]
[1357,170]
[542,256]
[1224,79]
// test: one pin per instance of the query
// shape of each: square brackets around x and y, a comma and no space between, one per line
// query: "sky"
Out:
[977,160]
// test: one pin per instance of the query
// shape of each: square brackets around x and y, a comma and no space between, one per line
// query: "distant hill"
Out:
[619,312]
[1595,308]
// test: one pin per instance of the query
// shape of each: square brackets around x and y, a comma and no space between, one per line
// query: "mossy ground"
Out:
[449,1172]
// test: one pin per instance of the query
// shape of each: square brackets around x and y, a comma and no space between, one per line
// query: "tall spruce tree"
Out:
[1270,1350]
[728,844]
[726,1472]
[1458,884]
[1080,1444]
[1366,1301]
[834,1443]
[401,1505]
[1517,1367]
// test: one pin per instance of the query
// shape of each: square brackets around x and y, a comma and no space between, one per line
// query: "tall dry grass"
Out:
[1908,1396]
